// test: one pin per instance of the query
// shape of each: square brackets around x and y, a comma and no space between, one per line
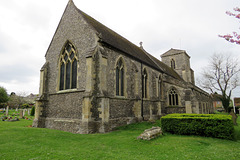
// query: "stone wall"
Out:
[93,106]
[72,27]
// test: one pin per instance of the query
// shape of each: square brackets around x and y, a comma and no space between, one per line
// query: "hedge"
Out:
[209,125]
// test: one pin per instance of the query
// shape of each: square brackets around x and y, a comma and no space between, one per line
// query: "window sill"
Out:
[120,97]
[67,90]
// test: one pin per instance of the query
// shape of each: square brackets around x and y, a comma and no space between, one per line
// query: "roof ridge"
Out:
[117,41]
[150,56]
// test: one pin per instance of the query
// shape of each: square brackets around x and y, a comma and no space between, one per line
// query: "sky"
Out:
[27,28]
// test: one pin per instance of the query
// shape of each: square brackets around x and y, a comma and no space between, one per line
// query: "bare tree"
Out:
[221,75]
[17,100]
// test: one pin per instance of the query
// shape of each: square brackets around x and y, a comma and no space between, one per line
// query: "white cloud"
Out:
[27,28]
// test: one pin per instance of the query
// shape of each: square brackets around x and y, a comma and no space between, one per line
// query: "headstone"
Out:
[29,111]
[24,112]
[151,133]
[21,113]
[16,109]
[234,117]
[7,110]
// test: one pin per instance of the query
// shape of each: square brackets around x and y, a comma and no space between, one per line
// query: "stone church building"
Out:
[95,80]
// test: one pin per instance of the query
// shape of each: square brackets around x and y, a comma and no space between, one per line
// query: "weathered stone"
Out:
[93,105]
[21,113]
[7,110]
[151,133]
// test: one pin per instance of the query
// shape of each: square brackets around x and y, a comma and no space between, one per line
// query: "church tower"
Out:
[179,60]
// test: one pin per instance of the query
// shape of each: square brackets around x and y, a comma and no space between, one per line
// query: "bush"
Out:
[209,125]
[25,105]
[32,113]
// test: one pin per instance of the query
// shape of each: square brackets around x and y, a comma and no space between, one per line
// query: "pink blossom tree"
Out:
[234,37]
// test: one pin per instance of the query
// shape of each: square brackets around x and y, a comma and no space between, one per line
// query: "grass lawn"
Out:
[17,141]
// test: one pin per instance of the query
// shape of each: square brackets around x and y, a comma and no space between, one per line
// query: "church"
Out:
[94,80]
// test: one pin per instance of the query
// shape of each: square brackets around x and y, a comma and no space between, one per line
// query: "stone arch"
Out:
[68,66]
[120,76]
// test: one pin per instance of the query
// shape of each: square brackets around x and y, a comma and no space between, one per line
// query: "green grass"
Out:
[17,141]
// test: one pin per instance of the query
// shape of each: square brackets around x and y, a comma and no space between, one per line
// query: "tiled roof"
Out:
[115,40]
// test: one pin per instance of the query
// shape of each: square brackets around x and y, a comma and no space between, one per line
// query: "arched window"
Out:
[144,84]
[120,78]
[173,97]
[172,64]
[68,68]
[159,87]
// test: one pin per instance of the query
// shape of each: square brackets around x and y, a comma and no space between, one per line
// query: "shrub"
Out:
[32,113]
[209,125]
[25,105]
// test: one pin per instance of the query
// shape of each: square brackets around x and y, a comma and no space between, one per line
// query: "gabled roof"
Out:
[113,39]
[116,41]
[174,52]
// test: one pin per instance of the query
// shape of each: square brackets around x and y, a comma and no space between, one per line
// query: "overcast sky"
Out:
[27,28]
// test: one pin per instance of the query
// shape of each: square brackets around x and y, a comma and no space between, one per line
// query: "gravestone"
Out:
[21,113]
[16,109]
[29,111]
[24,110]
[7,110]
[151,133]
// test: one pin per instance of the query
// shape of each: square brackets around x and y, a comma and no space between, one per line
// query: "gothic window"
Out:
[173,97]
[172,64]
[159,87]
[120,78]
[68,68]
[144,84]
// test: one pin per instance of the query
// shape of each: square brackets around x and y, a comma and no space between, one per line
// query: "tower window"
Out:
[172,64]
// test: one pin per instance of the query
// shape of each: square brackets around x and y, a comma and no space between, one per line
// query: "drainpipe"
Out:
[142,93]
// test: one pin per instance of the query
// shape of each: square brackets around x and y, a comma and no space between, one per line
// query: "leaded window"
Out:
[120,78]
[144,84]
[173,97]
[68,68]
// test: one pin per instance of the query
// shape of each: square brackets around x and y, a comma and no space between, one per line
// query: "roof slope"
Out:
[115,40]
[173,52]
[112,38]
[166,69]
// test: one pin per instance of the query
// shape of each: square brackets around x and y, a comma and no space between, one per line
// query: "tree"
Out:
[16,101]
[221,75]
[235,37]
[3,95]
